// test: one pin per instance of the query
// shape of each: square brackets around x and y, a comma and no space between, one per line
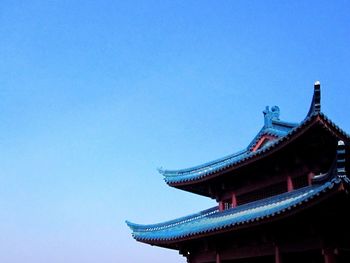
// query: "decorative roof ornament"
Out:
[341,159]
[274,114]
[315,106]
[160,170]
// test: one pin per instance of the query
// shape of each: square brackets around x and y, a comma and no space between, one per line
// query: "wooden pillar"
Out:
[290,186]
[221,206]
[218,258]
[278,258]
[309,178]
[329,256]
[234,200]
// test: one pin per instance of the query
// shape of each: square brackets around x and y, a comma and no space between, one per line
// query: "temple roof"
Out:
[277,132]
[274,128]
[282,131]
[274,135]
[212,220]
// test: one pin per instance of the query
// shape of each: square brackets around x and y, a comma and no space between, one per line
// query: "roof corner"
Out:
[161,170]
[130,224]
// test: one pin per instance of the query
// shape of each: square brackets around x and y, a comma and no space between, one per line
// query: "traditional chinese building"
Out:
[284,198]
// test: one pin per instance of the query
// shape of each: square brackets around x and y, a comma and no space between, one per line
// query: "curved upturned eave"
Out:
[175,173]
[149,235]
[195,177]
[167,224]
[277,132]
[264,131]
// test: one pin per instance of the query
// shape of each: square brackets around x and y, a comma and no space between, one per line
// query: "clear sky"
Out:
[95,95]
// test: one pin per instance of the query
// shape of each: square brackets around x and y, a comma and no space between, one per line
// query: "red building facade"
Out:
[282,199]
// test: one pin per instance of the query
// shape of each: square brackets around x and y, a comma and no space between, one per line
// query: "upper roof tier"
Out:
[271,136]
[272,130]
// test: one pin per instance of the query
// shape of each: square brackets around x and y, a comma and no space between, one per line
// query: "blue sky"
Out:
[95,95]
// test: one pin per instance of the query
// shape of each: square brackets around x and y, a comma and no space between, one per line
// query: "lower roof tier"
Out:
[210,221]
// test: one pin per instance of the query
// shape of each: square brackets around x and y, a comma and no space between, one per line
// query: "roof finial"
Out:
[274,114]
[317,96]
[315,106]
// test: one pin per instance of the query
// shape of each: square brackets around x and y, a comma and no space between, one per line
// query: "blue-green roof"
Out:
[212,220]
[273,127]
[282,131]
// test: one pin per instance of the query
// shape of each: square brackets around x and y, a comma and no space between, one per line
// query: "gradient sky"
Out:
[95,95]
